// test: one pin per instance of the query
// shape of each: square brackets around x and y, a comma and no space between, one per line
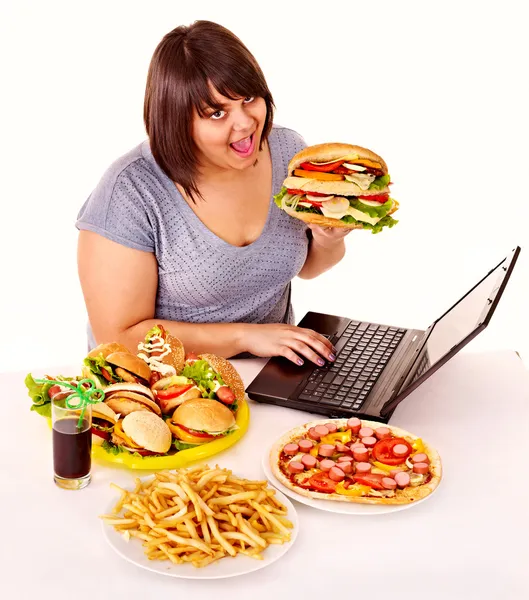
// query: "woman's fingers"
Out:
[291,355]
[320,344]
[304,349]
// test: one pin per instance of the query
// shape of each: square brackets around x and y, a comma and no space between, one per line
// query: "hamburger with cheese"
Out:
[338,185]
[200,421]
[141,432]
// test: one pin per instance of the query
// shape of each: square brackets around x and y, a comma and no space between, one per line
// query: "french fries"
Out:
[200,515]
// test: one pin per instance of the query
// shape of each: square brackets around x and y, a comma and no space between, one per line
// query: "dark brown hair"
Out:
[183,65]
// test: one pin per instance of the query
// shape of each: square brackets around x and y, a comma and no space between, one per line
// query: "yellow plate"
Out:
[182,458]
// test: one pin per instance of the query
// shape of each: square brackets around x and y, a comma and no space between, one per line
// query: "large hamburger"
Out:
[103,421]
[199,421]
[126,398]
[142,432]
[114,363]
[338,185]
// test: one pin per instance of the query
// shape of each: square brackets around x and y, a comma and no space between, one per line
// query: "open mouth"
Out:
[244,147]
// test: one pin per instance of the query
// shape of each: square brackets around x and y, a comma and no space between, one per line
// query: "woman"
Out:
[183,230]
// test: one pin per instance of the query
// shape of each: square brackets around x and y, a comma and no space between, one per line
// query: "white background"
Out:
[440,90]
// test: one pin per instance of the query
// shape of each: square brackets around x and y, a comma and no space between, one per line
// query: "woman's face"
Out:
[230,138]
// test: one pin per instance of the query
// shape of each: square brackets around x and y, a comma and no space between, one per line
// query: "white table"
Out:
[469,540]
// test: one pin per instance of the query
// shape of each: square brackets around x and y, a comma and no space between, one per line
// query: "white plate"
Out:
[344,508]
[132,551]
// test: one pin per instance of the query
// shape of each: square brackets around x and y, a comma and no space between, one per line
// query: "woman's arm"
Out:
[326,249]
[120,284]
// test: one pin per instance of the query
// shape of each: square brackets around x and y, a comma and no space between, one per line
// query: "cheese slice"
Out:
[360,216]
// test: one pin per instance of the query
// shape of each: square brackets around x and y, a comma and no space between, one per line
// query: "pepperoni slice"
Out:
[366,432]
[394,472]
[332,427]
[389,483]
[420,458]
[321,430]
[345,459]
[326,450]
[296,467]
[336,474]
[291,449]
[402,479]
[327,464]
[346,467]
[341,447]
[421,468]
[383,451]
[361,454]
[369,442]
[400,450]
[356,445]
[382,433]
[314,434]
[363,467]
[306,445]
[309,461]
[354,424]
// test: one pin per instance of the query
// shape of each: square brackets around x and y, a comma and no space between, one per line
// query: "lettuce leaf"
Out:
[387,221]
[111,448]
[153,332]
[373,211]
[279,197]
[179,445]
[38,392]
[204,376]
[380,183]
[95,364]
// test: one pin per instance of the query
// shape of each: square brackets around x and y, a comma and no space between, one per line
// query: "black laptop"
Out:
[377,366]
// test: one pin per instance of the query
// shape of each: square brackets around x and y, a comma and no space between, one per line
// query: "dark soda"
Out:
[72,447]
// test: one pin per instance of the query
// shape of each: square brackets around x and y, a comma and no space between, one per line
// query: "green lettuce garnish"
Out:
[38,392]
[279,197]
[204,376]
[373,211]
[96,363]
[387,221]
[153,332]
[179,445]
[379,183]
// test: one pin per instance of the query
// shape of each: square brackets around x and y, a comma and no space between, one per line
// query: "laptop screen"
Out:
[461,321]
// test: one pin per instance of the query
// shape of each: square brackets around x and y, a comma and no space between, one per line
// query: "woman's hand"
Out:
[328,237]
[279,339]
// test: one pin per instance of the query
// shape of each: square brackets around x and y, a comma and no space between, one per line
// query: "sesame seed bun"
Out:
[148,431]
[203,414]
[228,373]
[334,151]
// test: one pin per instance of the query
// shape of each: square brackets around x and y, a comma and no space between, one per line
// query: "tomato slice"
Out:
[383,451]
[302,193]
[102,434]
[199,434]
[173,392]
[382,198]
[373,480]
[307,166]
[322,483]
[106,374]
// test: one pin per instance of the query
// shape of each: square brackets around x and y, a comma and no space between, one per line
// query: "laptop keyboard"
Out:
[347,382]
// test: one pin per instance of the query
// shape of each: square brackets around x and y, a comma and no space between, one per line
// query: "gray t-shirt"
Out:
[201,278]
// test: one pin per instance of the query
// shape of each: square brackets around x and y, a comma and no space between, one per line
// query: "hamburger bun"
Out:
[148,431]
[334,151]
[129,362]
[125,398]
[204,414]
[176,357]
[106,349]
[228,373]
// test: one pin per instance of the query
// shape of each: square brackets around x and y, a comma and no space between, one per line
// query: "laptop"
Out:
[376,365]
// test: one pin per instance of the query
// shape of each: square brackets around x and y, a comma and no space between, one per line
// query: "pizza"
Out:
[356,461]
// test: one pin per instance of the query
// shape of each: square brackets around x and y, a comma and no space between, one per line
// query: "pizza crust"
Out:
[405,496]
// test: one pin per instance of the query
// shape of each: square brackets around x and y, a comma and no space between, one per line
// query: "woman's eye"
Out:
[217,115]
[249,99]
